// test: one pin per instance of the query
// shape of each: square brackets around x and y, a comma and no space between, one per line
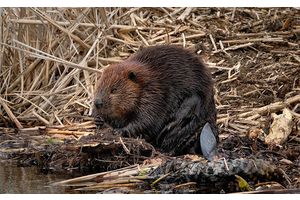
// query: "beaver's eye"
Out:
[132,76]
[113,90]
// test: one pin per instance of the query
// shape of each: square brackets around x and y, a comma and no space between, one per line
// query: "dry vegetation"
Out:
[50,59]
[49,56]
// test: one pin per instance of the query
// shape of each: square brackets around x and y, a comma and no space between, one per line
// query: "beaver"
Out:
[163,94]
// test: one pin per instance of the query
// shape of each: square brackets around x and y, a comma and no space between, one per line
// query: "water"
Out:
[28,180]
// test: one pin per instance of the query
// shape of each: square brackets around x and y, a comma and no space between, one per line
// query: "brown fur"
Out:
[163,94]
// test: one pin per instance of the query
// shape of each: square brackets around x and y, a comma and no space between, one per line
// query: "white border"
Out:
[149,3]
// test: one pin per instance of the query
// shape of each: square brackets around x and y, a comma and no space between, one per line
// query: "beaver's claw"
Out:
[99,121]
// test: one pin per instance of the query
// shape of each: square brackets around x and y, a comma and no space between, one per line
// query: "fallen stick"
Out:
[40,118]
[263,110]
[10,114]
[278,39]
[235,47]
[66,31]
[83,125]
[132,169]
[66,132]
[124,146]
[185,14]
[31,129]
[198,35]
[266,33]
[41,22]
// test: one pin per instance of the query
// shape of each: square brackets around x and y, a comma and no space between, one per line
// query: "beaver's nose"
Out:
[98,103]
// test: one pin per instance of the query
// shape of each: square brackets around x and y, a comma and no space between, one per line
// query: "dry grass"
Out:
[49,57]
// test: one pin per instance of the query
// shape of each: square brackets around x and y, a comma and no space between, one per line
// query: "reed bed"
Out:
[50,58]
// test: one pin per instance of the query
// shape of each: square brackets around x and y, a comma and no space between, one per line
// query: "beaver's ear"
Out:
[132,76]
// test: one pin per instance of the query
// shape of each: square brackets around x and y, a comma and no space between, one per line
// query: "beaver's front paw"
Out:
[99,121]
[120,132]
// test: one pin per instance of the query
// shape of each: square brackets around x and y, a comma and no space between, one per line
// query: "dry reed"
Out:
[50,58]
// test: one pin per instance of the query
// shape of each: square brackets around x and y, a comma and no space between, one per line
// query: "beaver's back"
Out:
[177,77]
[180,71]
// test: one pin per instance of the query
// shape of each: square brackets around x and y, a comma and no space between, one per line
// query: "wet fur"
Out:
[167,103]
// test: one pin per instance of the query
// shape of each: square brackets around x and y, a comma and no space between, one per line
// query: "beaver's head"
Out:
[118,91]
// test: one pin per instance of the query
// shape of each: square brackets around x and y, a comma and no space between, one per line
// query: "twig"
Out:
[46,122]
[213,42]
[10,114]
[67,132]
[278,39]
[44,55]
[185,14]
[74,37]
[91,177]
[273,107]
[159,179]
[235,47]
[124,146]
